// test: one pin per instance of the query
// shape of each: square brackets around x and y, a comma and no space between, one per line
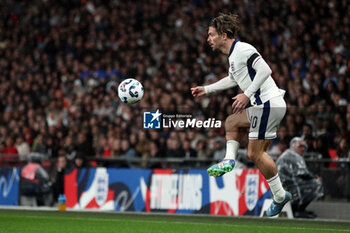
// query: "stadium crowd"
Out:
[60,62]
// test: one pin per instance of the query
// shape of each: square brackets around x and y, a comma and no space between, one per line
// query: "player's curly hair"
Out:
[226,23]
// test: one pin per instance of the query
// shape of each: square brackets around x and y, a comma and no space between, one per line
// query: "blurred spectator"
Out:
[297,179]
[52,118]
[277,148]
[9,147]
[127,150]
[306,131]
[343,149]
[154,150]
[83,146]
[51,148]
[203,151]
[69,148]
[22,148]
[174,148]
[282,134]
[188,151]
[97,138]
[39,145]
[57,175]
[219,148]
[320,145]
[116,147]
[142,147]
[105,150]
[3,134]
[9,153]
[80,161]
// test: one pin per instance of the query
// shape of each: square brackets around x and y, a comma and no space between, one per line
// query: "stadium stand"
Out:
[61,60]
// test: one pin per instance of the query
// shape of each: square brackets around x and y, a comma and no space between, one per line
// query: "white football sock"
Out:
[232,147]
[277,190]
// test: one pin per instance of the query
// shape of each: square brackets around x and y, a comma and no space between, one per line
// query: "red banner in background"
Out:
[240,192]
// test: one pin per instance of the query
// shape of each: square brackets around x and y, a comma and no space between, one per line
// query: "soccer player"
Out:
[251,73]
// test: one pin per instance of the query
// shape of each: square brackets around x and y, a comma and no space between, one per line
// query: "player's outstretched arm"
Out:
[222,84]
[198,91]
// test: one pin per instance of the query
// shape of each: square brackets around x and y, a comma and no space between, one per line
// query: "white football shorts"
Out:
[265,118]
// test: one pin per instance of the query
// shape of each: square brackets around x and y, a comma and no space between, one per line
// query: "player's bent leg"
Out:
[257,153]
[232,125]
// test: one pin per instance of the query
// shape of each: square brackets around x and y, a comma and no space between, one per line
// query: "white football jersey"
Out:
[241,59]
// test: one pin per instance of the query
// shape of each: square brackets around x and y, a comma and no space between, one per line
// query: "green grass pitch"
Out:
[23,221]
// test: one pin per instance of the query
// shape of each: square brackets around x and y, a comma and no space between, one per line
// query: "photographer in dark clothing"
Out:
[35,181]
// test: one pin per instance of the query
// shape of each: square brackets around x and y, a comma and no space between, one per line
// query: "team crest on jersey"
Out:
[232,67]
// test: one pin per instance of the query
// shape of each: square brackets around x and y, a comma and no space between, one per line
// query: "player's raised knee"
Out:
[231,122]
[235,121]
[232,119]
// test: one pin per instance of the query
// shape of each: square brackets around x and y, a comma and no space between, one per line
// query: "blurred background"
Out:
[60,62]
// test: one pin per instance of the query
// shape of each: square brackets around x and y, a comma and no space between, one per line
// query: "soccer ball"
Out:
[130,91]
